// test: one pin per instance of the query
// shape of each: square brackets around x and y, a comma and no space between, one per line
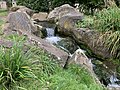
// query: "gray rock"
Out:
[92,39]
[80,58]
[6,43]
[64,10]
[41,16]
[19,20]
[67,22]
[65,16]
[113,88]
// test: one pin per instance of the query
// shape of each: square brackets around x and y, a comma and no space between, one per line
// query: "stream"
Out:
[104,74]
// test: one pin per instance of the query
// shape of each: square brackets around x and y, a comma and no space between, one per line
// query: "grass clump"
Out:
[107,21]
[14,66]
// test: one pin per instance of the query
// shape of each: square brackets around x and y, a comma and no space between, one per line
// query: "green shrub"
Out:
[108,22]
[107,19]
[14,66]
[37,5]
[43,66]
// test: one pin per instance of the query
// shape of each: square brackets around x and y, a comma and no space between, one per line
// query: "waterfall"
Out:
[50,32]
[113,80]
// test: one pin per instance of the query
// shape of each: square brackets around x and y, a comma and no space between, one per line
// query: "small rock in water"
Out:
[80,58]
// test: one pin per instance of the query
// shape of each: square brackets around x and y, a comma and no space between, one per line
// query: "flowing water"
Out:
[50,32]
[66,44]
[100,69]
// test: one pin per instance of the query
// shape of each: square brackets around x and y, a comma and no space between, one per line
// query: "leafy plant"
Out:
[90,6]
[14,66]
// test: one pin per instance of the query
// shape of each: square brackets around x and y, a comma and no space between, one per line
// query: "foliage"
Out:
[37,5]
[108,22]
[14,66]
[16,38]
[2,14]
[43,66]
[86,6]
[57,3]
[46,5]
[90,6]
[107,19]
[73,78]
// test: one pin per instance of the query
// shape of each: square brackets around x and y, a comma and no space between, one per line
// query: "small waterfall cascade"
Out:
[113,81]
[60,42]
[50,32]
[51,36]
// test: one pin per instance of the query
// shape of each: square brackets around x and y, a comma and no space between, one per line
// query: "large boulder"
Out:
[65,16]
[59,12]
[68,21]
[19,20]
[92,39]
